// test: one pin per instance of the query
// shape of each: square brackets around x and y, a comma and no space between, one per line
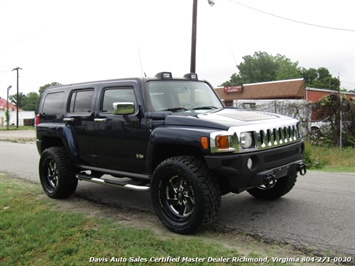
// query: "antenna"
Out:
[140,62]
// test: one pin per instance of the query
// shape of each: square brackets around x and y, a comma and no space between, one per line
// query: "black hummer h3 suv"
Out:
[172,136]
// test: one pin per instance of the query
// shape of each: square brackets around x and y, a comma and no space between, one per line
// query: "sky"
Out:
[70,41]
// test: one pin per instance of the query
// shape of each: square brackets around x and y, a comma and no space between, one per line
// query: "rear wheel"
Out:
[57,174]
[315,133]
[281,187]
[185,195]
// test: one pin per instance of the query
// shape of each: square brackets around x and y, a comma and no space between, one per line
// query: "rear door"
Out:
[80,118]
[121,142]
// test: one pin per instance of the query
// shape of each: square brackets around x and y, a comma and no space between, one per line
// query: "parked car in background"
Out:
[320,128]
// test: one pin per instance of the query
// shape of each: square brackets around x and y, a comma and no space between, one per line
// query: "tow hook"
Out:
[269,181]
[302,168]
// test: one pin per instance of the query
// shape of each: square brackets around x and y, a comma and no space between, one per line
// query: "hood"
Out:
[224,118]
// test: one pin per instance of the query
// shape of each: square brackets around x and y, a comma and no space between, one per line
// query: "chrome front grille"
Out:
[268,138]
[266,135]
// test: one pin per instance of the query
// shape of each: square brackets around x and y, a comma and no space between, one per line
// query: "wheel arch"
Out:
[58,136]
[162,151]
[171,141]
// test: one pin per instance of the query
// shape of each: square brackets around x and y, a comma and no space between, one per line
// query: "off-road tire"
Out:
[282,186]
[185,194]
[57,174]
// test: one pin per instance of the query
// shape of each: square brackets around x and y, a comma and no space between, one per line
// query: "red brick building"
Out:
[294,89]
[314,95]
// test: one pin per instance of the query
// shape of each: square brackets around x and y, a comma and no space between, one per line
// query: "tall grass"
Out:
[330,159]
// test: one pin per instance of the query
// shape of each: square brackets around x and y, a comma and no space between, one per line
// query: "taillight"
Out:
[38,119]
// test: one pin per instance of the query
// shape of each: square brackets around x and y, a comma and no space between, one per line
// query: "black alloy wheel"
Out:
[57,174]
[185,194]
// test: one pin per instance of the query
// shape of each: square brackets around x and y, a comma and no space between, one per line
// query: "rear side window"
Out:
[81,101]
[53,103]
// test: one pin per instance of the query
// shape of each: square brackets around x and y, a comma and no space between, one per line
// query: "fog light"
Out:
[250,163]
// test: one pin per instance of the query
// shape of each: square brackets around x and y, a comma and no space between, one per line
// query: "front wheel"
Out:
[281,187]
[185,194]
[56,173]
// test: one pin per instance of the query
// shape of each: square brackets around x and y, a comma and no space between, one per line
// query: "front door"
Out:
[121,142]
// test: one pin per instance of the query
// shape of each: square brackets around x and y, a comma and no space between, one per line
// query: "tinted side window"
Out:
[117,94]
[53,103]
[81,101]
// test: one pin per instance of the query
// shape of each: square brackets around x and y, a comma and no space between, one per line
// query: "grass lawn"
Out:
[330,159]
[35,231]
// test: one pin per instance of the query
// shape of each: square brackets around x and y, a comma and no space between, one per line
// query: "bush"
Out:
[333,106]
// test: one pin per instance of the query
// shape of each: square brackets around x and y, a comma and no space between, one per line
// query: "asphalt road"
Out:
[318,214]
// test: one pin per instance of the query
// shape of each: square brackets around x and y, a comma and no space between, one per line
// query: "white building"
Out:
[25,117]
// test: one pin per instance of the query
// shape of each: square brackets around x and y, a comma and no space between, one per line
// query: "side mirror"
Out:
[123,108]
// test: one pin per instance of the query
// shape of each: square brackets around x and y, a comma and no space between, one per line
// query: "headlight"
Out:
[225,141]
[247,140]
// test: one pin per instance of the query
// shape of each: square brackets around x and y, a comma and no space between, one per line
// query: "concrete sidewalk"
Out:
[21,135]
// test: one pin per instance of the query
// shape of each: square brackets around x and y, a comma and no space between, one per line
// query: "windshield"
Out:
[182,96]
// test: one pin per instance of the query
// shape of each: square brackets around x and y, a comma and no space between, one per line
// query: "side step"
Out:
[103,181]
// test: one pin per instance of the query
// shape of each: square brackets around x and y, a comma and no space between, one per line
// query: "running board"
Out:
[103,181]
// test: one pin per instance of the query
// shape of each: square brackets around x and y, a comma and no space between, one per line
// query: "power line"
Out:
[20,40]
[292,20]
[5,71]
[344,81]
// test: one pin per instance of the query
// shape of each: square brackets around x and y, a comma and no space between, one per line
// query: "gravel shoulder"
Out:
[18,135]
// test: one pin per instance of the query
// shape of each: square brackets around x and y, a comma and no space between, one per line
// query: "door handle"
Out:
[100,119]
[68,119]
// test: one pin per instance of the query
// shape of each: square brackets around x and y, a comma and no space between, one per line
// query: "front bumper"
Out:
[275,163]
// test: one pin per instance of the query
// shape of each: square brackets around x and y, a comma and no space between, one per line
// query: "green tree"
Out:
[44,87]
[286,69]
[320,78]
[18,101]
[7,116]
[234,80]
[309,75]
[32,101]
[28,102]
[264,67]
[259,67]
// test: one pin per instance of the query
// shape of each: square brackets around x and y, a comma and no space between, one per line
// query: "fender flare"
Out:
[67,136]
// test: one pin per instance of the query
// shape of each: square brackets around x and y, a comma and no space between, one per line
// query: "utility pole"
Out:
[18,96]
[7,107]
[340,116]
[193,35]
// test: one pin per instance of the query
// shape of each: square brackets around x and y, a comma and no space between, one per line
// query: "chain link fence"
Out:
[320,123]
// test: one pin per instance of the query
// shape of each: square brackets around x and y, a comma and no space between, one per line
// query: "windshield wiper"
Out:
[205,108]
[175,109]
